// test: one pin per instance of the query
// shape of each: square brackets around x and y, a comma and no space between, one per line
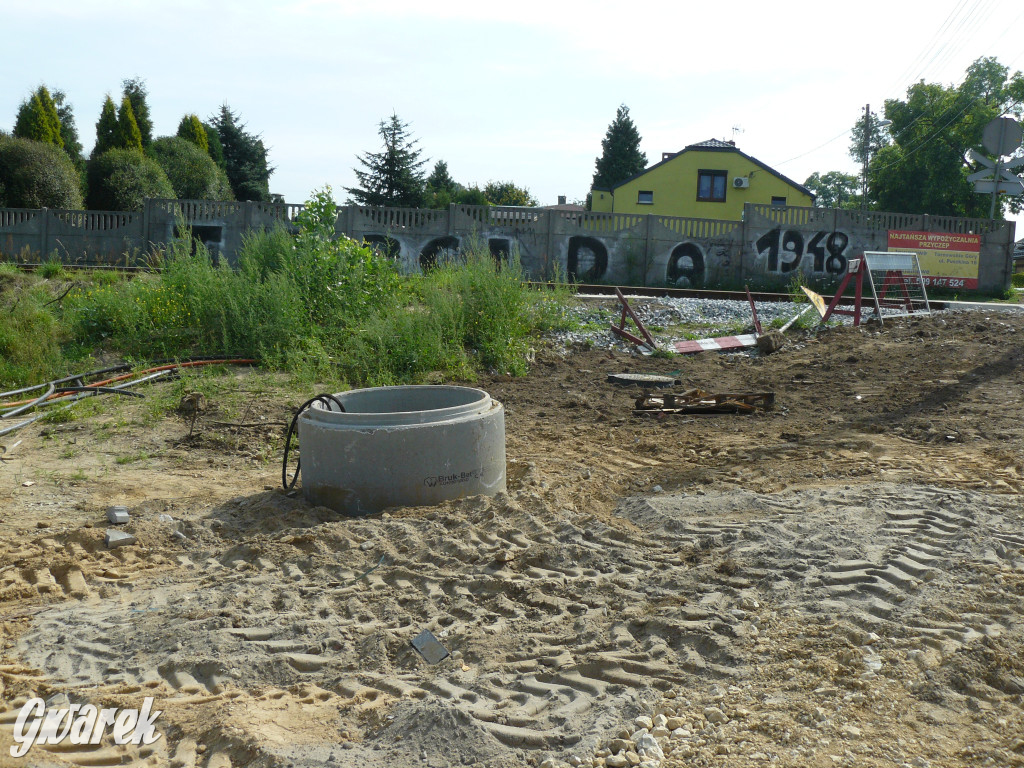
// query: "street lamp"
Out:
[867,153]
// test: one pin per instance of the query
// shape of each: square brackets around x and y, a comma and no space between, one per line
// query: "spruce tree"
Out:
[191,129]
[439,179]
[245,157]
[68,129]
[394,176]
[620,152]
[441,188]
[214,147]
[106,128]
[135,91]
[127,135]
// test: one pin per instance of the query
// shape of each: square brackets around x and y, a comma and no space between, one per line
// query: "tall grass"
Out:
[471,313]
[30,335]
[310,303]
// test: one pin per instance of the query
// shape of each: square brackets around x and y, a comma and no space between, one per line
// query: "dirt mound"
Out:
[837,581]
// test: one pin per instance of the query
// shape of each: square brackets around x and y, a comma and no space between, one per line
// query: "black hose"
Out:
[110,369]
[324,398]
[111,390]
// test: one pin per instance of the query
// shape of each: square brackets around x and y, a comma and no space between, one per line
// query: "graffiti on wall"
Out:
[500,248]
[786,250]
[384,245]
[686,266]
[587,260]
[439,249]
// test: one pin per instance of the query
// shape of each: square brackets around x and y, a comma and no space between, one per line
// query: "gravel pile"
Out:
[703,318]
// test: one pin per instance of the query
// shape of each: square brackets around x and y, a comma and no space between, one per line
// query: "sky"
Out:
[519,91]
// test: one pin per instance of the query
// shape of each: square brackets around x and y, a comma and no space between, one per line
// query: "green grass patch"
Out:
[319,307]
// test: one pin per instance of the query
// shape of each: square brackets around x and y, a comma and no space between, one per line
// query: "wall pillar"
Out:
[648,243]
[549,241]
[44,234]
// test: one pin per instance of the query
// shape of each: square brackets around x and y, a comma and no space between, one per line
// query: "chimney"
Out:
[561,199]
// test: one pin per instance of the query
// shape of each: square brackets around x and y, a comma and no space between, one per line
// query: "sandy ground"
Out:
[839,581]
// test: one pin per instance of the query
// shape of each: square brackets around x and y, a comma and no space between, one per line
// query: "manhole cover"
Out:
[643,379]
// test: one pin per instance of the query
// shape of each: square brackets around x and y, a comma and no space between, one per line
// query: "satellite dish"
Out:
[1002,136]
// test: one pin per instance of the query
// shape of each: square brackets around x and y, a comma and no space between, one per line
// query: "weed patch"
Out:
[321,307]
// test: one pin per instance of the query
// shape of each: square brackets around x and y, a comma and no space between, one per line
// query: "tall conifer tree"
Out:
[393,176]
[620,152]
[106,128]
[135,91]
[127,135]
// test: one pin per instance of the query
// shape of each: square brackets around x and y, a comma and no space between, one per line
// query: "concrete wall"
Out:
[766,249]
[85,237]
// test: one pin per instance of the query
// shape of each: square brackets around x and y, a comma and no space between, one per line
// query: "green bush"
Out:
[338,278]
[37,175]
[1017,280]
[121,180]
[52,268]
[192,173]
[30,335]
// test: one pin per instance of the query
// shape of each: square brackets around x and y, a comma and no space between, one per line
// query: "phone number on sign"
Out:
[949,282]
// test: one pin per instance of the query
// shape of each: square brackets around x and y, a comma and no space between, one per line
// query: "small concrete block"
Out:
[770,342]
[117,515]
[118,539]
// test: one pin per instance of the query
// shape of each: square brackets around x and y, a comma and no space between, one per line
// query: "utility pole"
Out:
[997,169]
[869,127]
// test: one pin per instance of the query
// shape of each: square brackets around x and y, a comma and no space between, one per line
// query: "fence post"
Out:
[44,233]
[549,245]
[350,219]
[648,240]
[145,223]
[744,223]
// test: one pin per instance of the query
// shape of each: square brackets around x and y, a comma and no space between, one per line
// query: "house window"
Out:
[776,200]
[645,198]
[711,186]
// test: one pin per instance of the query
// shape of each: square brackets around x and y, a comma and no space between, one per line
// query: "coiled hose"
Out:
[324,398]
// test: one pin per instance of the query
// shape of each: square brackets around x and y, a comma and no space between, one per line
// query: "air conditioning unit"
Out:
[740,182]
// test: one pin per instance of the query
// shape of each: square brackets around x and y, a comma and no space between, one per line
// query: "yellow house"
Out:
[709,180]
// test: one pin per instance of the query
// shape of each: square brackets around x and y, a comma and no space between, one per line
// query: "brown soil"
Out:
[841,578]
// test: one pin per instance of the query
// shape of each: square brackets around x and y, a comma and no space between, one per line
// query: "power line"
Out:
[975,20]
[918,60]
[811,151]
